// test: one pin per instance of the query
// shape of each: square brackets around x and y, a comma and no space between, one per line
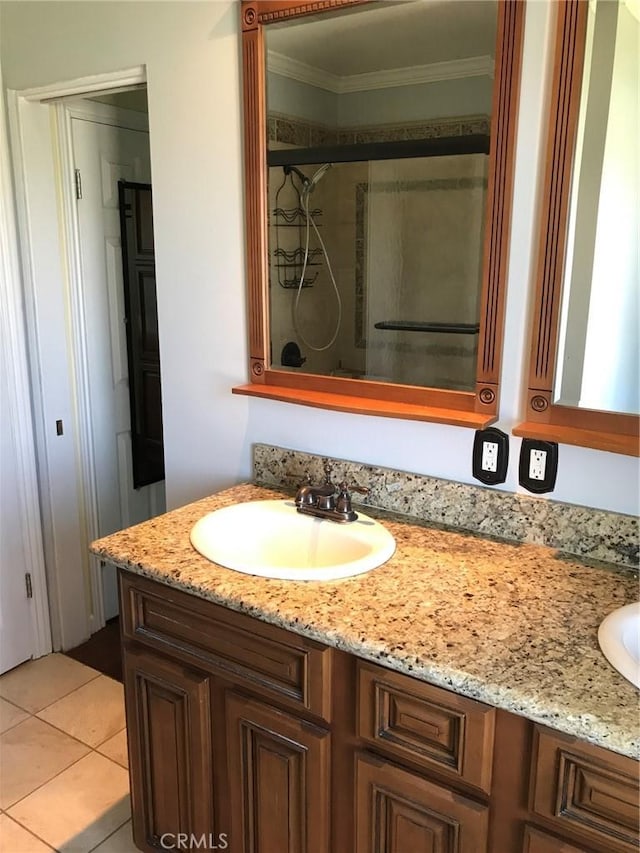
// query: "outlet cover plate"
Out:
[535,484]
[496,454]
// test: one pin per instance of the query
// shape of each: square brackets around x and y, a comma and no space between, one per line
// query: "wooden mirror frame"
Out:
[462,408]
[601,430]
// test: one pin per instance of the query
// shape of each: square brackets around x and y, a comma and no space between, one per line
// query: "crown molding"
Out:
[285,66]
[455,69]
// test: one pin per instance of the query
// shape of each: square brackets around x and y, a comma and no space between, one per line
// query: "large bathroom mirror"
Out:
[378,148]
[584,384]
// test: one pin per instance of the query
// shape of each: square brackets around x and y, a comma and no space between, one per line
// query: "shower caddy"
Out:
[289,253]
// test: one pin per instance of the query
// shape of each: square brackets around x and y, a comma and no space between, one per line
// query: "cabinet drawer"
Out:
[417,721]
[586,791]
[238,647]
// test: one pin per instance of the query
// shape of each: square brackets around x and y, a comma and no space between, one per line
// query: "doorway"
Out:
[110,145]
[71,156]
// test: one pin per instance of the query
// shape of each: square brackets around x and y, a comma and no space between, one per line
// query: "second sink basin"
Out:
[273,540]
[619,639]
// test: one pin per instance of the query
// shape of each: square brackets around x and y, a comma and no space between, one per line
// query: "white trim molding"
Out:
[37,224]
[116,81]
[435,72]
[18,419]
[50,256]
[105,114]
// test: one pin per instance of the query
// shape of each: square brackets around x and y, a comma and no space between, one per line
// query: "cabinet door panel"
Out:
[586,790]
[169,725]
[278,778]
[536,841]
[398,811]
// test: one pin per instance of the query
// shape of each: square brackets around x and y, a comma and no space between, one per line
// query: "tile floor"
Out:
[63,757]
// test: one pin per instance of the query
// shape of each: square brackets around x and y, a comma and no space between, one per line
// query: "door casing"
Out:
[18,422]
[72,621]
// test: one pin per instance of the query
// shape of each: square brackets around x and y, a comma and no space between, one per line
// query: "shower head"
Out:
[310,183]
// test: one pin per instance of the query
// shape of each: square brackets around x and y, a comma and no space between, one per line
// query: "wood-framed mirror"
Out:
[583,384]
[426,344]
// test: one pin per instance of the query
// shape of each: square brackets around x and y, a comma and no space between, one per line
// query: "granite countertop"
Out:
[509,624]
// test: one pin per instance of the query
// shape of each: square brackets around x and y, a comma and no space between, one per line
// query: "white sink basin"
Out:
[273,540]
[619,638]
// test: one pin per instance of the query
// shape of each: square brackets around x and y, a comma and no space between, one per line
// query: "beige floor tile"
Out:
[116,748]
[93,713]
[10,715]
[15,839]
[38,683]
[81,807]
[120,842]
[32,753]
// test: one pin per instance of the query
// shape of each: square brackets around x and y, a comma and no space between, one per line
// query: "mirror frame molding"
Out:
[474,409]
[616,432]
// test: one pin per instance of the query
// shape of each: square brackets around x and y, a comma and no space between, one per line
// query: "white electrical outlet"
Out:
[489,456]
[537,464]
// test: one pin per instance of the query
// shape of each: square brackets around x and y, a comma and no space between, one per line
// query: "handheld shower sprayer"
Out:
[308,186]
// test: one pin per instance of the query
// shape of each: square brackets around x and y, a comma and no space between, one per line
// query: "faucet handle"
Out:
[343,503]
[363,490]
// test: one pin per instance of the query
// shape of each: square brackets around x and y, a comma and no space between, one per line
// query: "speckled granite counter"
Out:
[509,624]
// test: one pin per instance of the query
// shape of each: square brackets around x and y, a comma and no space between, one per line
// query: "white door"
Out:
[16,631]
[105,154]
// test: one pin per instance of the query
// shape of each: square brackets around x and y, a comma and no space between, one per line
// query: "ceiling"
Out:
[383,36]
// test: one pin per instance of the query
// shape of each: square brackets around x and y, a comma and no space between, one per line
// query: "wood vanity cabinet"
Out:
[259,740]
[443,740]
[228,726]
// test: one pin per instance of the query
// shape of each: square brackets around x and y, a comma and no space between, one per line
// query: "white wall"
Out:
[192,55]
[191,51]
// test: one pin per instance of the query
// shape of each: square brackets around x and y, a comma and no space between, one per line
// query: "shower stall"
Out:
[375,261]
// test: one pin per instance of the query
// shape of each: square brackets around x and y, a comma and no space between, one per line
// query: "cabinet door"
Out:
[169,728]
[536,841]
[398,811]
[278,770]
[585,790]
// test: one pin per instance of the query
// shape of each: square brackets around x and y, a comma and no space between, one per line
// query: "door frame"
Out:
[71,623]
[18,418]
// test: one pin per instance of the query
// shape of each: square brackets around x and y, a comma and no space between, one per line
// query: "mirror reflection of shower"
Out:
[293,208]
[383,265]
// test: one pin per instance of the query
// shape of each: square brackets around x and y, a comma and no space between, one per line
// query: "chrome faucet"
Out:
[326,501]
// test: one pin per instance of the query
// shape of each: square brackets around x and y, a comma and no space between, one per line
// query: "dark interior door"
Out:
[138,261]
